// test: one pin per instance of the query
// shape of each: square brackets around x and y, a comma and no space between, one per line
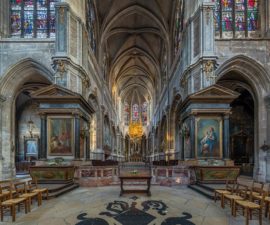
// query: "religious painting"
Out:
[31,146]
[208,137]
[60,135]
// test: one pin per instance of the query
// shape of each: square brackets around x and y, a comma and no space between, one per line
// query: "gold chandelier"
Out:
[135,130]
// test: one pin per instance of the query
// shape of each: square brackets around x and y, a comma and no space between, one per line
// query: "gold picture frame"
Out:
[60,135]
[208,137]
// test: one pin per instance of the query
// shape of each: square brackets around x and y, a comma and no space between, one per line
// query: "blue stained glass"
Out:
[16,23]
[41,24]
[240,24]
[42,4]
[22,16]
[28,23]
[217,16]
[252,20]
[16,4]
[52,4]
[28,4]
[227,21]
[240,5]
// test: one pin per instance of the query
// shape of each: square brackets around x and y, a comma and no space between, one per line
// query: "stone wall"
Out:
[13,51]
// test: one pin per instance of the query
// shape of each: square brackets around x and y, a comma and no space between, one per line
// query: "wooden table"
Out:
[135,177]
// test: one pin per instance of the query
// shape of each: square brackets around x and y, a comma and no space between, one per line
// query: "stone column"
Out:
[77,137]
[128,150]
[267,158]
[87,140]
[42,154]
[118,146]
[226,137]
[2,99]
[153,143]
[192,136]
[4,19]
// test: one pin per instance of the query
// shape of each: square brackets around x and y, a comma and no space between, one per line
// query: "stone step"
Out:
[202,190]
[62,191]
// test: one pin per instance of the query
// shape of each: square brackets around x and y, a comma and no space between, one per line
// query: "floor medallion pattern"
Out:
[129,214]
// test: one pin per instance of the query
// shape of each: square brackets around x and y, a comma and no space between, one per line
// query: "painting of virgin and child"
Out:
[60,133]
[209,141]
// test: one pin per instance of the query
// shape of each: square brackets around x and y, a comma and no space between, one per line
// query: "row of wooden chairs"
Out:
[249,199]
[19,194]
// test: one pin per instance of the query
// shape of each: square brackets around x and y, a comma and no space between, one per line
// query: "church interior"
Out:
[134,112]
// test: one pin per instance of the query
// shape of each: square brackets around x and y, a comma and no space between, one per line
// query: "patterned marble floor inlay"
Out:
[127,214]
[103,206]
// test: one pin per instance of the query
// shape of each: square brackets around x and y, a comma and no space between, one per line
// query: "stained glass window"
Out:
[144,113]
[32,18]
[91,23]
[135,113]
[236,18]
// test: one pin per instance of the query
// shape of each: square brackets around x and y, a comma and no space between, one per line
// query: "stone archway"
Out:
[244,74]
[24,72]
[174,140]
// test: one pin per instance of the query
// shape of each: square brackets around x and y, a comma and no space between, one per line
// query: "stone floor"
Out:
[103,206]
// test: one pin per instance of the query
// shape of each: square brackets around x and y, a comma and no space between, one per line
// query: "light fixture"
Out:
[30,125]
[135,130]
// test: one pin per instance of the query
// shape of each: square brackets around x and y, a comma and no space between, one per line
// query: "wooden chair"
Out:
[230,185]
[21,190]
[256,189]
[33,187]
[238,194]
[5,190]
[249,207]
[11,204]
[266,200]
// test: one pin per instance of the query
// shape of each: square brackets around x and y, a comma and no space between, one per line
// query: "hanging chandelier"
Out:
[135,130]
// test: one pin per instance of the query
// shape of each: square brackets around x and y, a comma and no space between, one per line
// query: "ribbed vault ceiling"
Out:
[134,42]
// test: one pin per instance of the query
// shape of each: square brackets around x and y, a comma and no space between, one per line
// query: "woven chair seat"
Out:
[7,192]
[28,195]
[248,204]
[234,197]
[13,201]
[259,197]
[223,191]
[253,193]
[39,190]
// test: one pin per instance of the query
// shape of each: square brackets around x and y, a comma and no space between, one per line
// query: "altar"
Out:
[135,172]
[216,174]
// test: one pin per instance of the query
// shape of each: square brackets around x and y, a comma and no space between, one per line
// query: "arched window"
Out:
[144,113]
[236,18]
[91,23]
[135,113]
[32,18]
[93,133]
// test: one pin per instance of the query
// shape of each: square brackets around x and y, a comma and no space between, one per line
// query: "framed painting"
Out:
[31,146]
[208,137]
[60,136]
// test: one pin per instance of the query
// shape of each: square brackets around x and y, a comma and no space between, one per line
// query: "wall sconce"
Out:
[30,125]
[84,130]
[265,147]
